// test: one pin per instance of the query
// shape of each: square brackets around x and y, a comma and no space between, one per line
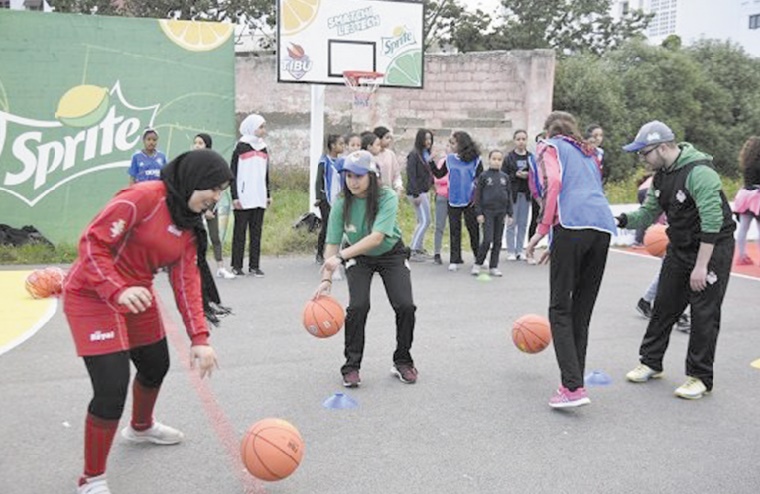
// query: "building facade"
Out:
[692,20]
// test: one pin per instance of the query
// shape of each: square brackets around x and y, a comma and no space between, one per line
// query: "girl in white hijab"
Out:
[252,131]
[250,193]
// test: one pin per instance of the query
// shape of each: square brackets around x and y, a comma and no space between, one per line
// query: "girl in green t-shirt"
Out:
[364,219]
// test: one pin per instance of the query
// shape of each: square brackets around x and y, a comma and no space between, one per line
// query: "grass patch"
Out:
[290,199]
[37,254]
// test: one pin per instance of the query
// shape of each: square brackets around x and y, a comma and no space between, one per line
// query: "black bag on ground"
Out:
[23,236]
[308,220]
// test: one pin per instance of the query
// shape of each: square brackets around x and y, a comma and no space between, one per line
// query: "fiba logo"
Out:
[297,63]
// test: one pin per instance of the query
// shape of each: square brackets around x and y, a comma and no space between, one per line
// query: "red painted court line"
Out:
[752,271]
[218,420]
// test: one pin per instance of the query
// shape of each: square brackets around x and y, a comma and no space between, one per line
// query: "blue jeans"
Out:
[422,212]
[515,233]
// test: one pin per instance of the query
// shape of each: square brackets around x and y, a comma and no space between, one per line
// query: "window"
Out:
[754,21]
[664,21]
[33,4]
[5,4]
[624,8]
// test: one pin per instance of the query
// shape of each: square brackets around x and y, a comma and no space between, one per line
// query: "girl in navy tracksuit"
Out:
[493,203]
[327,186]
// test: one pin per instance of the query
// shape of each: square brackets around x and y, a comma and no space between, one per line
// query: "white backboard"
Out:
[317,40]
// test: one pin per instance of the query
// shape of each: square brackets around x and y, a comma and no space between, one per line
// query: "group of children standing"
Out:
[493,199]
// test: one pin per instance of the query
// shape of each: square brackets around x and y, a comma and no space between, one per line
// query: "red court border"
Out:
[218,420]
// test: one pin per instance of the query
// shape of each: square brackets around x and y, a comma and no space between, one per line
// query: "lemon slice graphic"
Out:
[405,70]
[297,15]
[196,36]
[82,106]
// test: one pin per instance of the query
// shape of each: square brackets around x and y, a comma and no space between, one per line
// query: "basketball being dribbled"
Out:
[272,449]
[531,333]
[323,317]
[44,283]
[656,240]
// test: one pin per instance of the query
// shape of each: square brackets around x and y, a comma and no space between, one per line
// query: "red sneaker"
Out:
[351,379]
[407,374]
[745,261]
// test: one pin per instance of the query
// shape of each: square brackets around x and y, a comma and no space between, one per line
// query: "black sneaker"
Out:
[684,323]
[256,272]
[351,379]
[238,272]
[644,308]
[418,256]
[407,374]
[437,259]
[320,259]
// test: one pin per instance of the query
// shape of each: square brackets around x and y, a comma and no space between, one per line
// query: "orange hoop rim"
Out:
[355,77]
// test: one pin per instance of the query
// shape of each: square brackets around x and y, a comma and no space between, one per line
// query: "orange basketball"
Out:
[44,283]
[323,317]
[272,449]
[531,333]
[656,240]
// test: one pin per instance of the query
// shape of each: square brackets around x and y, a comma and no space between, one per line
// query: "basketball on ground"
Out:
[531,333]
[323,317]
[656,240]
[44,283]
[272,449]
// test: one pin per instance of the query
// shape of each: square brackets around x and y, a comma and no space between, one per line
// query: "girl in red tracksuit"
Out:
[109,299]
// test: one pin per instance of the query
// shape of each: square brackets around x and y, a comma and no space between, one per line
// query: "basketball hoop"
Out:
[362,84]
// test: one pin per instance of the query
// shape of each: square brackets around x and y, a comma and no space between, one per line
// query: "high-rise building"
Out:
[691,20]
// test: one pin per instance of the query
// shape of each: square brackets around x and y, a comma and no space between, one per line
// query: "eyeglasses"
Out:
[643,154]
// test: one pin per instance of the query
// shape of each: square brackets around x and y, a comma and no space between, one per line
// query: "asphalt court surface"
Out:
[476,422]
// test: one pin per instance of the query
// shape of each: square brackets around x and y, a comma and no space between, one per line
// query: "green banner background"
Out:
[145,75]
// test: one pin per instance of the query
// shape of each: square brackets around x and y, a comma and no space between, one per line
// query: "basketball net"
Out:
[363,85]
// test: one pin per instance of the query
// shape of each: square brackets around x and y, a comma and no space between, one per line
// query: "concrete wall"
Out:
[488,94]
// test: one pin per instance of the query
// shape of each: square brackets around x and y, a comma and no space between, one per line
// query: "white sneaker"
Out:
[94,485]
[692,389]
[511,257]
[157,434]
[453,267]
[531,260]
[223,273]
[495,272]
[336,276]
[475,269]
[642,373]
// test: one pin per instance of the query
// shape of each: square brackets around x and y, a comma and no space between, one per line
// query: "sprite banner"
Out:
[76,92]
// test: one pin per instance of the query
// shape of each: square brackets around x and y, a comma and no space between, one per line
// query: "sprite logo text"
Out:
[95,129]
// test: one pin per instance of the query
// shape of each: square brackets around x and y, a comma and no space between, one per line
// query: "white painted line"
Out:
[737,275]
[33,330]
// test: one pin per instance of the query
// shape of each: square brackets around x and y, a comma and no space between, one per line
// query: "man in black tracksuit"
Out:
[697,266]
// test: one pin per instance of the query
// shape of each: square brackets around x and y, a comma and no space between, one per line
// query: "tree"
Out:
[257,15]
[706,93]
[568,26]
[592,89]
[101,7]
[449,23]
[730,101]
